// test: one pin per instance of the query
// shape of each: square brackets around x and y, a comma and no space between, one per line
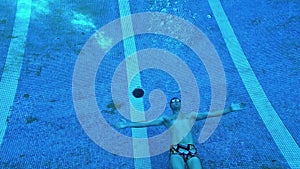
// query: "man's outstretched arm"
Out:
[233,107]
[157,122]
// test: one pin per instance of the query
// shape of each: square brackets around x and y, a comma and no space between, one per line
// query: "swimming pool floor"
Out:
[42,129]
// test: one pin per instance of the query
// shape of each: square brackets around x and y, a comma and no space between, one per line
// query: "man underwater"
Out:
[184,152]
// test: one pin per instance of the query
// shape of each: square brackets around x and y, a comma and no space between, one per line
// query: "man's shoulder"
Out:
[171,117]
[166,118]
[192,115]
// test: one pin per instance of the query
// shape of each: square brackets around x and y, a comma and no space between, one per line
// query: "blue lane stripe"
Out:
[133,71]
[13,64]
[277,129]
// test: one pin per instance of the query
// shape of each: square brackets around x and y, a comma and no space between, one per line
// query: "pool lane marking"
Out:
[277,129]
[133,73]
[12,68]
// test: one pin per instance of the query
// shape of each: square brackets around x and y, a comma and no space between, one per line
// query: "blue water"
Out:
[43,130]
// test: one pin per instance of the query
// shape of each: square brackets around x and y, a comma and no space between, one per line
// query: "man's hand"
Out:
[122,124]
[237,106]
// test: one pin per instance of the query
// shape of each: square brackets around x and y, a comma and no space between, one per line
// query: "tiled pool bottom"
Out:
[44,132]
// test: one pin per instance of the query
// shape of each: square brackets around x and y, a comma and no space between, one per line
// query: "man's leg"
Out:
[176,161]
[194,163]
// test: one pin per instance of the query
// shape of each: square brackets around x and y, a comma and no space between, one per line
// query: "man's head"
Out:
[175,103]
